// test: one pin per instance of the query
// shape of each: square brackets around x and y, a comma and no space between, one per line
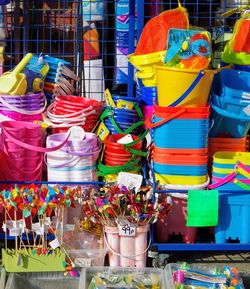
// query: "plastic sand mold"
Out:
[188,49]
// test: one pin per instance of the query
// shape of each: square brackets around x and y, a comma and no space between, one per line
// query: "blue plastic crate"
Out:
[234,218]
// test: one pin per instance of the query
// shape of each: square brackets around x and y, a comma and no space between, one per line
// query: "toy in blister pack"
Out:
[187,276]
[189,49]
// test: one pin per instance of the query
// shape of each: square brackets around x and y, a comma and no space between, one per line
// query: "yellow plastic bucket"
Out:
[231,157]
[183,87]
[180,180]
[146,65]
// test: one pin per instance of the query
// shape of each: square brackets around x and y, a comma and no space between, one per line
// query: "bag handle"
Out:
[200,75]
[32,147]
[149,123]
[223,181]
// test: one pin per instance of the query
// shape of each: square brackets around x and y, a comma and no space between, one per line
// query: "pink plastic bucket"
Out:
[174,224]
[127,251]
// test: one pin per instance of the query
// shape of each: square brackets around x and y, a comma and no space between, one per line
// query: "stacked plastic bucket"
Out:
[180,126]
[28,107]
[21,152]
[123,145]
[230,104]
[231,174]
[75,161]
[68,110]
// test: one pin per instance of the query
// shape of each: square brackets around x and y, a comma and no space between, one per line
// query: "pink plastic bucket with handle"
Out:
[127,251]
[19,141]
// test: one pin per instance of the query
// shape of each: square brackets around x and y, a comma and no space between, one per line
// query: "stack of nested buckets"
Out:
[122,132]
[230,112]
[180,126]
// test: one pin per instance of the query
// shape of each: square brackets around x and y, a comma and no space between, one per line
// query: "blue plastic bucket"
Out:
[180,170]
[232,105]
[235,83]
[228,124]
[234,218]
[124,97]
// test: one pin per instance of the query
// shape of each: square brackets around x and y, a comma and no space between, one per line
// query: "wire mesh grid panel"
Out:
[96,36]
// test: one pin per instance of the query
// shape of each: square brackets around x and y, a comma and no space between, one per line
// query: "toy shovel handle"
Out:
[20,66]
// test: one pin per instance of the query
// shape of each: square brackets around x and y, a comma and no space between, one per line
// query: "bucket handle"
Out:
[223,181]
[200,75]
[23,111]
[149,123]
[32,147]
[131,257]
[227,114]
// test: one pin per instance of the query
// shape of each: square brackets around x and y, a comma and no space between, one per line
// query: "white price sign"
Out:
[127,230]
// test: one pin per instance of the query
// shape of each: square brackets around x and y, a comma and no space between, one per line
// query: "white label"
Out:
[10,224]
[54,244]
[83,262]
[126,139]
[76,133]
[127,230]
[4,227]
[148,139]
[247,110]
[131,181]
[15,232]
[37,228]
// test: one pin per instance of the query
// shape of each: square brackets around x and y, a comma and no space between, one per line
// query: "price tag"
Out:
[131,181]
[83,262]
[15,232]
[76,133]
[102,131]
[247,110]
[125,104]
[127,230]
[108,98]
[54,244]
[126,139]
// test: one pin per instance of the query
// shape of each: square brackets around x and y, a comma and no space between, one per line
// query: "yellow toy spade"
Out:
[14,80]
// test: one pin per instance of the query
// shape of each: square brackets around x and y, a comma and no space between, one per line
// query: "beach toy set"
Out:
[66,111]
[76,160]
[198,276]
[151,48]
[230,104]
[237,50]
[190,49]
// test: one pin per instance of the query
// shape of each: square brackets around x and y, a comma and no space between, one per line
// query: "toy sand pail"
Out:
[127,251]
[146,65]
[183,87]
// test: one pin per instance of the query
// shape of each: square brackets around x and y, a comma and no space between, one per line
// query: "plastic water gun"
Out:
[237,50]
[188,49]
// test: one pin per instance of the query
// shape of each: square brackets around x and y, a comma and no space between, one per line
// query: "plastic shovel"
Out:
[9,81]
